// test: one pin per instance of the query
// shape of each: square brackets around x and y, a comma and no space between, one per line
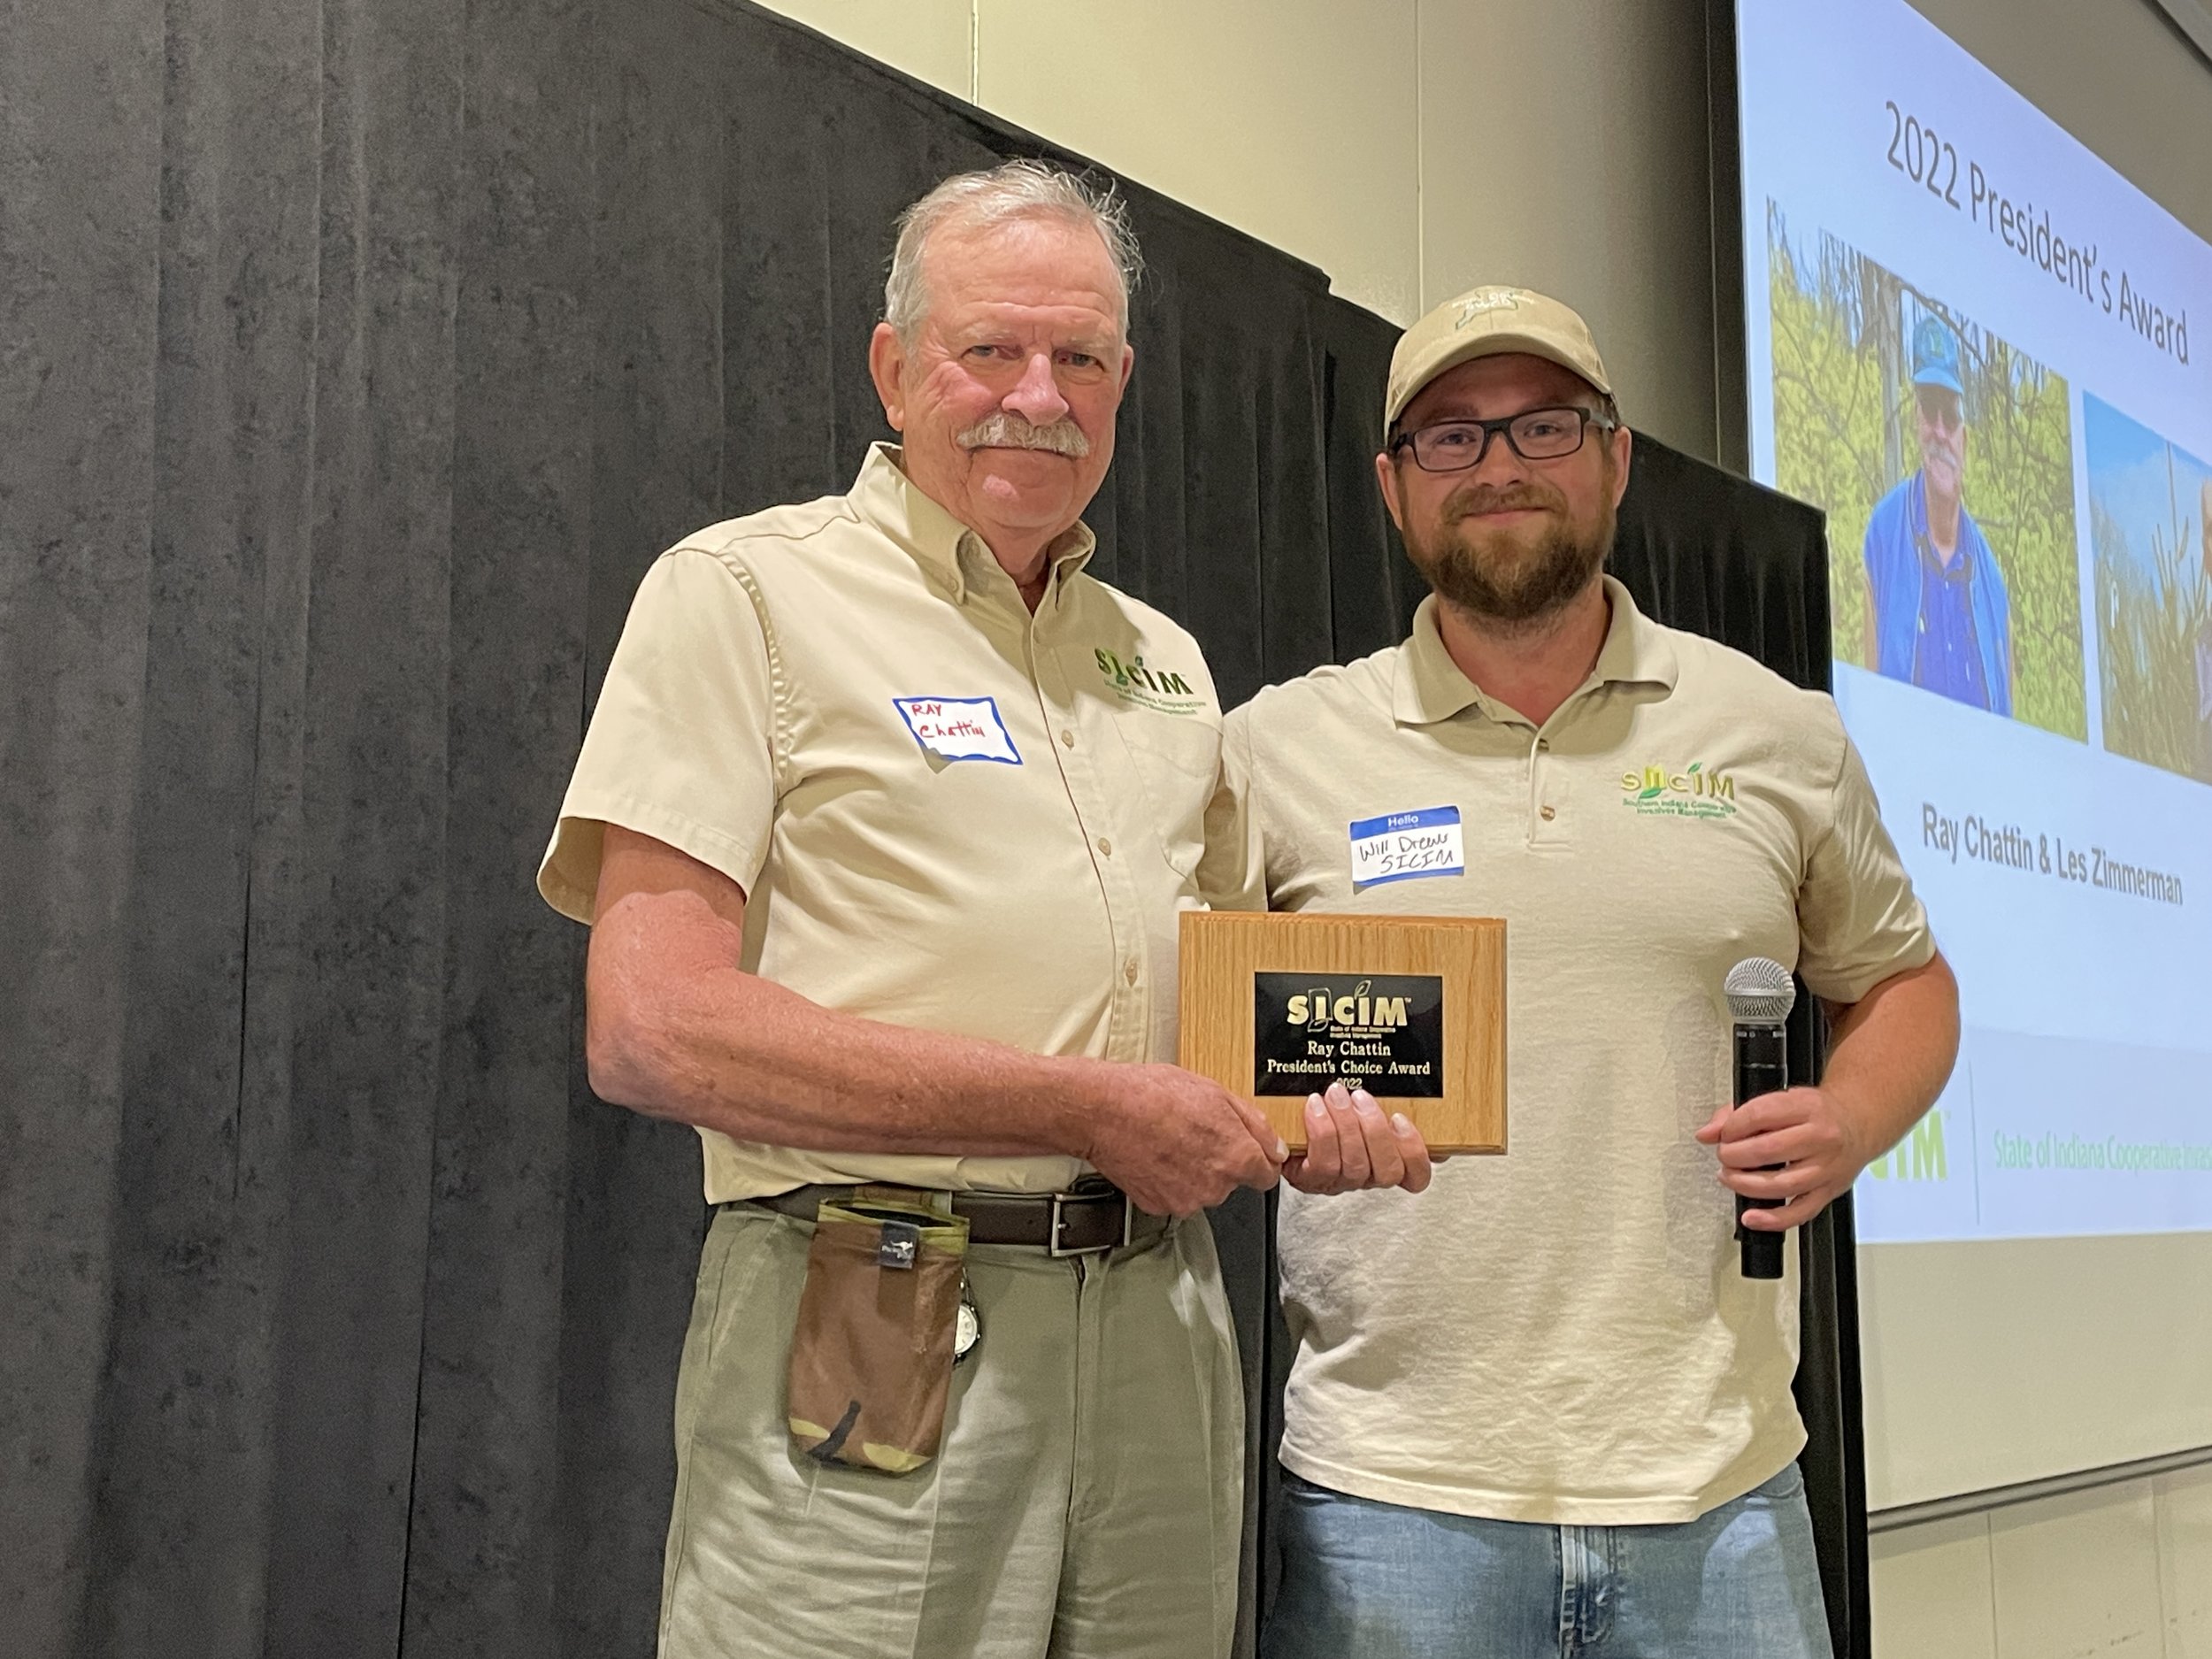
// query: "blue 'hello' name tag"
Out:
[1404,845]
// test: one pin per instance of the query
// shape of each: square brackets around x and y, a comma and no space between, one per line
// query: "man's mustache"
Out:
[1007,431]
[1525,497]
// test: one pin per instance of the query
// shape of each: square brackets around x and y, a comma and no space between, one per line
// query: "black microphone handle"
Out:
[1763,1067]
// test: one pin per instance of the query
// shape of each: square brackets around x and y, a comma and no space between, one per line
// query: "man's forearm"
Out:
[1892,1053]
[738,1054]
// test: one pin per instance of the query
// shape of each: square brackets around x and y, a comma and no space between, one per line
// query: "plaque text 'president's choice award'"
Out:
[1411,1009]
[1382,1033]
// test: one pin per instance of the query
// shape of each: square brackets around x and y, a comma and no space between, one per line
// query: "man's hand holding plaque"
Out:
[1175,1142]
[1352,1144]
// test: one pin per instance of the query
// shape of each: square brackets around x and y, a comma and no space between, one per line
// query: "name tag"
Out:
[1401,846]
[958,728]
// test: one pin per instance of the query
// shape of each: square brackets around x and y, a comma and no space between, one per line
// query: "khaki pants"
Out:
[1085,1501]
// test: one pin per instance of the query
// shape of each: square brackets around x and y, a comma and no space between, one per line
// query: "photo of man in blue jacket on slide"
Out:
[1941,618]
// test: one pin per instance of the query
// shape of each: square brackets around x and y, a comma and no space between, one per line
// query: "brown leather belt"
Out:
[1092,1217]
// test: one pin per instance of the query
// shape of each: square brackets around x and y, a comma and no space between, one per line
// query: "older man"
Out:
[1539,1409]
[883,847]
[1939,613]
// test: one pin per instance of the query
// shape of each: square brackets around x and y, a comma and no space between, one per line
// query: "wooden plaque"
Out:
[1412,1008]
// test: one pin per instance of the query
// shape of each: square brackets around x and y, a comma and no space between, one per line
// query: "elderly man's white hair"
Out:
[1010,191]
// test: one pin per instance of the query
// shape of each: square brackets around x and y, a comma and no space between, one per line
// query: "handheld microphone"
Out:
[1759,994]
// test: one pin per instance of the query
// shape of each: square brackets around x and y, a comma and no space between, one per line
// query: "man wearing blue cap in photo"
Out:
[1939,613]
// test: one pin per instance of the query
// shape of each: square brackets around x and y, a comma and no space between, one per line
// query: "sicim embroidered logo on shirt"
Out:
[1697,791]
[1160,689]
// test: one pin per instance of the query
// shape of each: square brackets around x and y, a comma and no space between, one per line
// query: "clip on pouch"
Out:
[871,1355]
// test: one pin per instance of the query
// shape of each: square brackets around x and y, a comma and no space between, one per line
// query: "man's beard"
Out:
[1522,588]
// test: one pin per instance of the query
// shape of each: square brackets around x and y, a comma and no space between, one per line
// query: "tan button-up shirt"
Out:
[945,812]
[1562,1335]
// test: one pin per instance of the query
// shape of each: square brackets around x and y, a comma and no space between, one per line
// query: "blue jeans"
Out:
[1368,1580]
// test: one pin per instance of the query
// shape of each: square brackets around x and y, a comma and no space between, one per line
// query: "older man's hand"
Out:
[1350,1146]
[1178,1143]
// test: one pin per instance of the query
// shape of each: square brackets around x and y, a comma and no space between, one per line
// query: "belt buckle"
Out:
[1060,1201]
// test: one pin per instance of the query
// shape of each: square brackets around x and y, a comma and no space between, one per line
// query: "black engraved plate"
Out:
[1380,1032]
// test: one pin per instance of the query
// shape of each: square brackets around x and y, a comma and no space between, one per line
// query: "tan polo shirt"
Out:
[944,812]
[1562,1335]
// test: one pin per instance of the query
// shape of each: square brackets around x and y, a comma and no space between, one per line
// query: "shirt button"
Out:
[1543,744]
[1068,738]
[1549,813]
[1105,848]
[1129,970]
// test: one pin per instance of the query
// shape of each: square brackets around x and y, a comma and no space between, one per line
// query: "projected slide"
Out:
[1989,357]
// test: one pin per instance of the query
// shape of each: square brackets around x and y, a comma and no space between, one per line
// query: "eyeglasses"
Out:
[1534,434]
[1943,409]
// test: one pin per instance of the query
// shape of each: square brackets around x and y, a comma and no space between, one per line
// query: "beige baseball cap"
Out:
[1484,322]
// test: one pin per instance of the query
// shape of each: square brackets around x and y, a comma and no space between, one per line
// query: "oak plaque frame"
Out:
[1223,952]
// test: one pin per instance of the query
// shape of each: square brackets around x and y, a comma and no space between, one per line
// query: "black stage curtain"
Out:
[357,360]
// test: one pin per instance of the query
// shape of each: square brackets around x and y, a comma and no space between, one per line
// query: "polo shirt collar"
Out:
[1636,651]
[885,498]
[1429,687]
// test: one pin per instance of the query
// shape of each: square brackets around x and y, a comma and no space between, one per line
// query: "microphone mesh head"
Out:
[1760,992]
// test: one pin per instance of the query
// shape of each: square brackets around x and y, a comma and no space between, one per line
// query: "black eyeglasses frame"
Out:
[1503,425]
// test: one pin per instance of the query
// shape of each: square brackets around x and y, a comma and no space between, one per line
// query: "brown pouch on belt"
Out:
[872,1356]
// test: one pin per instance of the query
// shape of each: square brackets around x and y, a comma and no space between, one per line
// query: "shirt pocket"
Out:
[1175,760]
